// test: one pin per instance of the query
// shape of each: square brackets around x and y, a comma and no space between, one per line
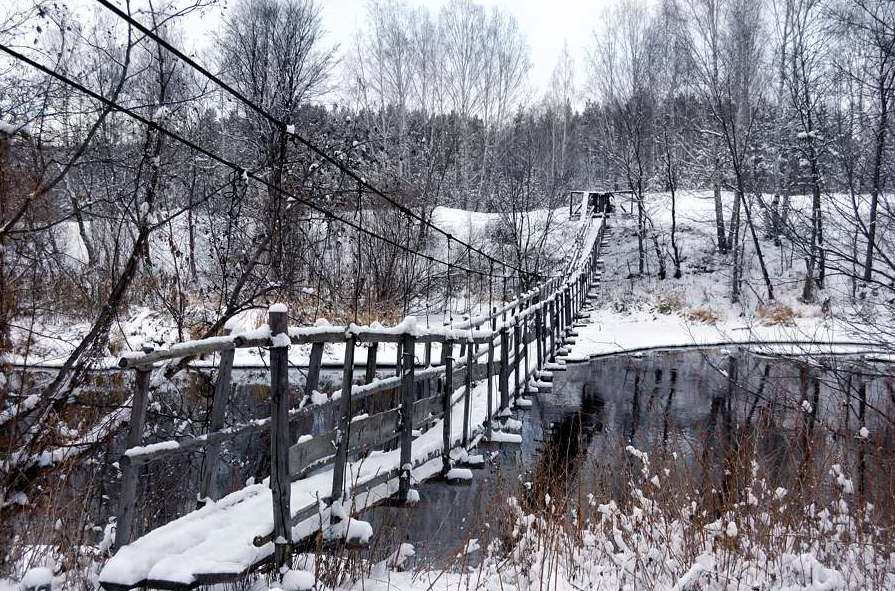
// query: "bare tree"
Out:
[729,65]
[272,52]
[869,25]
[806,82]
[622,69]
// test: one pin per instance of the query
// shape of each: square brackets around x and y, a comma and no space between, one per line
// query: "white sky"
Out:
[545,23]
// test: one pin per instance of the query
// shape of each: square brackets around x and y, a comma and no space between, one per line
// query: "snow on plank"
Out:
[216,543]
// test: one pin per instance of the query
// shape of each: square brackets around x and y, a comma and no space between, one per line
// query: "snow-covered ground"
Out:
[636,312]
[54,337]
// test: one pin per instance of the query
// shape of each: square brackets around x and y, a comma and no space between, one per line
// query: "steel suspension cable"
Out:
[209,154]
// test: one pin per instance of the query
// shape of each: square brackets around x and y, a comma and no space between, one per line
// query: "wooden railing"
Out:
[494,345]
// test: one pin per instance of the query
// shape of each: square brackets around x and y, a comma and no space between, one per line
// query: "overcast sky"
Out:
[546,24]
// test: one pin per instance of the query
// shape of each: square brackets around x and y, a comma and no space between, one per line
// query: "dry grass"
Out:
[702,315]
[669,304]
[730,513]
[776,315]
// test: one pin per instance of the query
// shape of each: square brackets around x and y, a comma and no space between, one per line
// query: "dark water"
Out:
[712,411]
[715,411]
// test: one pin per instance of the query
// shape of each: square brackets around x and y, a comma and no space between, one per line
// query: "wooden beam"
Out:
[297,336]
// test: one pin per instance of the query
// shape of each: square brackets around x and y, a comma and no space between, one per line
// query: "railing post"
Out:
[539,336]
[525,336]
[560,317]
[399,354]
[467,390]
[314,364]
[280,483]
[517,352]
[578,290]
[447,359]
[407,399]
[490,372]
[372,352]
[207,490]
[568,307]
[552,312]
[343,435]
[504,368]
[128,498]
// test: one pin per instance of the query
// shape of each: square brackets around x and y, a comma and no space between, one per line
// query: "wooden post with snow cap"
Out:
[447,359]
[344,432]
[585,282]
[490,371]
[280,483]
[407,400]
[561,324]
[578,291]
[207,489]
[128,496]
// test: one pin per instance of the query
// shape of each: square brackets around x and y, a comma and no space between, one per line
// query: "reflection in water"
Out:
[720,415]
[563,450]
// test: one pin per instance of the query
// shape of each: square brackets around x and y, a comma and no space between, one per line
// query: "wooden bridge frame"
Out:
[495,345]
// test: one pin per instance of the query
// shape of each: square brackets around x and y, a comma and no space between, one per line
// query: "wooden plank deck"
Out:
[217,542]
